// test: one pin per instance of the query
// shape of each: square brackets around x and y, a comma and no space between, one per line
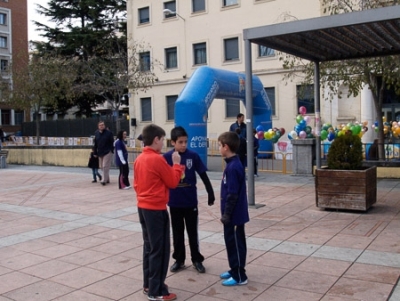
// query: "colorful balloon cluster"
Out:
[302,129]
[272,134]
[389,128]
[356,128]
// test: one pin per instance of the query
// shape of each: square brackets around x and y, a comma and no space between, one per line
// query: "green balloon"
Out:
[324,134]
[299,118]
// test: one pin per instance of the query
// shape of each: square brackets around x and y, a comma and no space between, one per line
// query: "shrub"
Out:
[345,152]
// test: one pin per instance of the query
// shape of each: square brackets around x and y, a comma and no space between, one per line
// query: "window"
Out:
[198,5]
[265,51]
[271,96]
[3,19]
[231,49]
[144,15]
[229,2]
[3,65]
[145,104]
[171,59]
[6,117]
[144,58]
[200,54]
[19,117]
[171,5]
[232,107]
[3,42]
[305,98]
[171,100]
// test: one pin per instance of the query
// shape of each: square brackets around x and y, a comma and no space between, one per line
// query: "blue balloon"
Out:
[260,128]
[289,136]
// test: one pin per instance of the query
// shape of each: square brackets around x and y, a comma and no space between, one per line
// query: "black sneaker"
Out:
[100,177]
[94,181]
[176,267]
[199,267]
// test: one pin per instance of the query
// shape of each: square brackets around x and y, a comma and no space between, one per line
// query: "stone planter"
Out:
[346,189]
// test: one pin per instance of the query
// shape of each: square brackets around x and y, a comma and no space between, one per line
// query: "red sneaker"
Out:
[170,296]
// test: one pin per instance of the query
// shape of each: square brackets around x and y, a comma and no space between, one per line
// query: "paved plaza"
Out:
[63,238]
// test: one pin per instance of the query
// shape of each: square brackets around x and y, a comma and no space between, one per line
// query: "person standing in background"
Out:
[239,124]
[121,160]
[94,165]
[104,147]
[256,146]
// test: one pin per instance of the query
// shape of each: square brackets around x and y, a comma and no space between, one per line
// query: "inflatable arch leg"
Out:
[196,97]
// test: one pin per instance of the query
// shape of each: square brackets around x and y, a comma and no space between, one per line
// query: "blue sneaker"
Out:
[225,275]
[233,282]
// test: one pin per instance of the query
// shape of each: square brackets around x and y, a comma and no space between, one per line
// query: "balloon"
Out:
[260,128]
[324,134]
[302,135]
[308,129]
[293,134]
[307,119]
[383,118]
[302,110]
[299,118]
[282,130]
[260,135]
[331,136]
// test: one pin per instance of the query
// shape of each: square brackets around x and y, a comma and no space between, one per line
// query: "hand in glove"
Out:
[211,199]
[225,219]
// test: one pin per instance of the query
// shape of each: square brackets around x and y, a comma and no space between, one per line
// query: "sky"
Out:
[32,15]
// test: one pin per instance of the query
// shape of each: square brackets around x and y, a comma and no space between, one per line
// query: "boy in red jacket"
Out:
[153,178]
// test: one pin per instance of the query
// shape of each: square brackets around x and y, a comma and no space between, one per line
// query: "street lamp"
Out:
[168,12]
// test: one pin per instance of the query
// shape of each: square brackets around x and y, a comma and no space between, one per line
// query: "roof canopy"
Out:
[368,33]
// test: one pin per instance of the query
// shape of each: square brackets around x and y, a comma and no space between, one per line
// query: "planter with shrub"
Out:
[345,183]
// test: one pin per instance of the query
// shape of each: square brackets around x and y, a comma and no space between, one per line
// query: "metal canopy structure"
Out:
[367,33]
[362,34]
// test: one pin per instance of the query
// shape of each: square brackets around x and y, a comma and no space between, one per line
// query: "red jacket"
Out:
[153,178]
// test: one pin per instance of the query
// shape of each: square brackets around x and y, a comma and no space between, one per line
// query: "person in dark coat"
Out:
[242,152]
[103,148]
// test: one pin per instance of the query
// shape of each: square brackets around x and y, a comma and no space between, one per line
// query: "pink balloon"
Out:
[302,134]
[302,110]
[307,119]
[260,135]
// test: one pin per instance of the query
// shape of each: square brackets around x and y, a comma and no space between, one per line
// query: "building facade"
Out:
[184,35]
[13,48]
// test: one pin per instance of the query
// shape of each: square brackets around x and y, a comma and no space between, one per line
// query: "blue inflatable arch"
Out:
[196,97]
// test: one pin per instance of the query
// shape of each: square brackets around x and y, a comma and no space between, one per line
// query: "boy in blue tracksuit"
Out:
[234,210]
[183,202]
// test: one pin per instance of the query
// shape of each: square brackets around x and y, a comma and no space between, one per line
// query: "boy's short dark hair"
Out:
[231,139]
[239,115]
[177,132]
[150,132]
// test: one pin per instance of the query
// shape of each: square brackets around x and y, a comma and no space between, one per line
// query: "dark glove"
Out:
[225,219]
[211,199]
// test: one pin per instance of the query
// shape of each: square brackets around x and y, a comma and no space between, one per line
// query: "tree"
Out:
[39,84]
[82,30]
[80,23]
[115,73]
[379,73]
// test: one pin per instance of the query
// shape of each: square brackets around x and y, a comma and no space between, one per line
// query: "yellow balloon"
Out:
[383,118]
